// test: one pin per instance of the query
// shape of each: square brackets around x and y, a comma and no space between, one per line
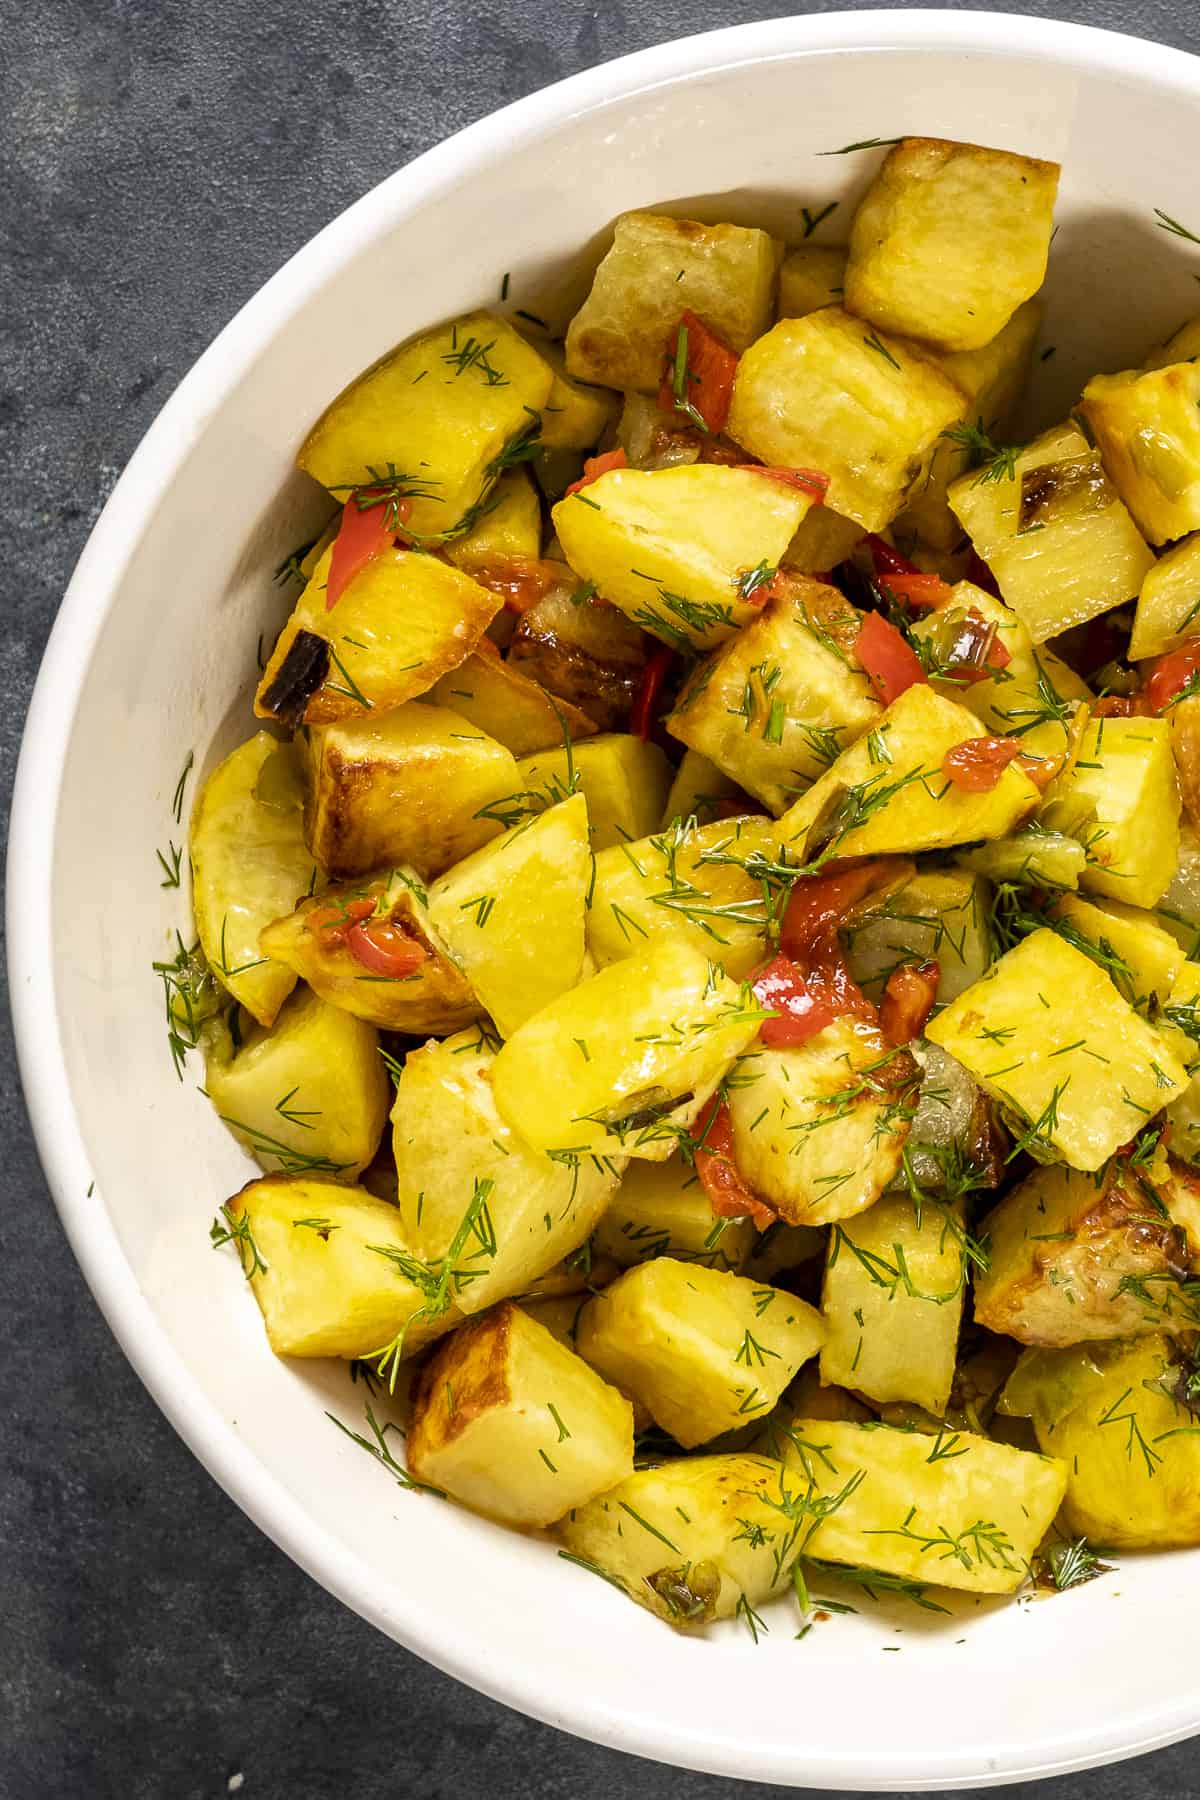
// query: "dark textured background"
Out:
[159,159]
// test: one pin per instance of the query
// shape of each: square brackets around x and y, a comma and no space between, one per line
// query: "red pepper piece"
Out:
[329,924]
[806,1000]
[977,765]
[887,560]
[719,1174]
[908,1000]
[917,592]
[887,659]
[596,466]
[385,949]
[818,903]
[1171,673]
[698,374]
[643,713]
[362,534]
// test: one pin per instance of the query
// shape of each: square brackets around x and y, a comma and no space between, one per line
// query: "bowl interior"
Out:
[155,657]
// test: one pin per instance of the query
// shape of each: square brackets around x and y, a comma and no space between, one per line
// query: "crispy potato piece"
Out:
[656,270]
[949,239]
[827,392]
[591,657]
[575,416]
[929,914]
[1056,535]
[822,540]
[1142,959]
[1047,1035]
[661,1209]
[249,863]
[1121,800]
[415,785]
[501,700]
[810,277]
[623,779]
[511,525]
[1147,430]
[1168,608]
[674,549]
[1184,719]
[702,792]
[1182,346]
[513,1424]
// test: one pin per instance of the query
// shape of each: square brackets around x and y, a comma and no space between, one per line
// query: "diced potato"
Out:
[1179,1020]
[1147,429]
[696,1539]
[1115,1416]
[435,997]
[1033,857]
[511,525]
[575,416]
[308,1095]
[559,1313]
[1182,346]
[515,1425]
[1142,959]
[780,702]
[1047,1035]
[705,1352]
[436,413]
[887,792]
[1076,1259]
[818,1129]
[810,277]
[784,1248]
[674,548]
[399,625]
[935,914]
[416,785]
[1121,800]
[587,655]
[822,540]
[663,885]
[249,864]
[502,701]
[1168,608]
[450,1139]
[628,1058]
[512,913]
[949,239]
[955,1510]
[326,1265]
[827,392]
[661,1209]
[892,1301]
[656,270]
[623,779]
[700,791]
[1055,534]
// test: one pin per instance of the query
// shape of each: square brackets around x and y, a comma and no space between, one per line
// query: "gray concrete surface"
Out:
[159,159]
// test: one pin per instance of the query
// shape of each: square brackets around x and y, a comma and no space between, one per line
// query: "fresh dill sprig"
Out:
[994,462]
[1167,223]
[234,1228]
[180,785]
[1069,1565]
[381,1451]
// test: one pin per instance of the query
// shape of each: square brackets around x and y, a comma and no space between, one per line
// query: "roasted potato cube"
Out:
[954,1510]
[416,785]
[627,1059]
[892,1302]
[575,416]
[449,1141]
[704,1352]
[694,1540]
[822,540]
[1076,1259]
[589,656]
[1121,800]
[675,549]
[949,239]
[400,624]
[516,1426]
[779,702]
[1047,1035]
[623,779]
[810,277]
[1055,534]
[1142,959]
[433,416]
[1116,1417]
[656,270]
[700,791]
[934,914]
[818,1129]
[827,392]
[1168,608]
[249,864]
[660,1209]
[1182,346]
[501,700]
[512,914]
[307,1095]
[1179,1021]
[312,941]
[326,1265]
[1147,430]
[511,525]
[559,1313]
[664,885]
[887,792]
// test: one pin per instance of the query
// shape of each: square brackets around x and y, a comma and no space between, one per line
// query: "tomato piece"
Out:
[806,1000]
[385,949]
[719,1174]
[698,375]
[596,466]
[817,904]
[329,924]
[887,560]
[521,580]
[886,658]
[977,765]
[365,530]
[643,713]
[1171,674]
[917,592]
[908,1000]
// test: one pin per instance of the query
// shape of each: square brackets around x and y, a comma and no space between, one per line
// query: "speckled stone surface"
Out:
[159,159]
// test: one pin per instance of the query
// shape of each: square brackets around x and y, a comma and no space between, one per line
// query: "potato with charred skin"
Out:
[497,696]
[1145,426]
[623,778]
[662,1209]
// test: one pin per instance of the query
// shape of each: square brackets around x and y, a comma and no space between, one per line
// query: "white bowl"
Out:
[153,655]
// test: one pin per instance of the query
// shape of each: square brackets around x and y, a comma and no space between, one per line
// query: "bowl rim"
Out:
[89,597]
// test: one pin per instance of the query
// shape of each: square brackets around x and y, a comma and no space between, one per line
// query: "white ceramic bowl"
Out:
[153,655]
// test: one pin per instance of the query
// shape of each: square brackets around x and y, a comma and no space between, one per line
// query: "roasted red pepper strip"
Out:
[977,765]
[806,1000]
[596,466]
[887,559]
[917,592]
[698,374]
[809,481]
[720,1177]
[887,659]
[908,1000]
[362,534]
[818,903]
[1171,673]
[385,949]
[643,713]
[329,924]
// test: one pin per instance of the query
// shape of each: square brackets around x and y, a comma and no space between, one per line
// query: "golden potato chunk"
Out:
[1047,1035]
[514,1425]
[949,239]
[1147,429]
[700,791]
[1120,799]
[511,525]
[936,915]
[661,1209]
[623,779]
[417,785]
[656,270]
[1142,959]
[810,277]
[502,701]
[1168,608]
[822,540]
[704,1352]
[827,392]
[575,416]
